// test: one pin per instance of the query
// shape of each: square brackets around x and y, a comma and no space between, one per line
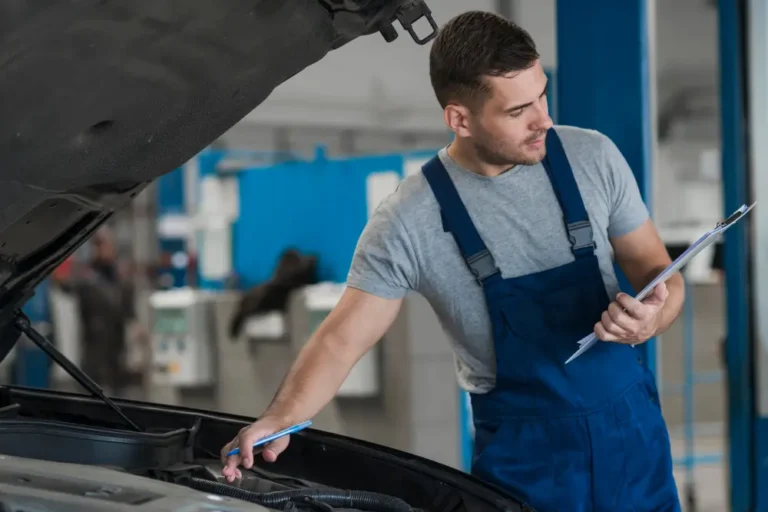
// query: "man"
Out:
[511,232]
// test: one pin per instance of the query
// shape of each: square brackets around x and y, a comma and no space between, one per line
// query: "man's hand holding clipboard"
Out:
[703,242]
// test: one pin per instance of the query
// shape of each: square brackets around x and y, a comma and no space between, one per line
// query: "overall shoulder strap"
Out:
[458,222]
[577,222]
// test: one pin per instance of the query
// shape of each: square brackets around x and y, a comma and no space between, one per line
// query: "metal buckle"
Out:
[482,265]
[581,235]
[413,12]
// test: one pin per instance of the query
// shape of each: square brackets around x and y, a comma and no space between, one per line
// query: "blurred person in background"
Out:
[105,296]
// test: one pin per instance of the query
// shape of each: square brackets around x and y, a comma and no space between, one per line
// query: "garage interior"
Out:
[680,86]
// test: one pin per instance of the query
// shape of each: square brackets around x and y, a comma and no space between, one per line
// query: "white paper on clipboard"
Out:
[706,239]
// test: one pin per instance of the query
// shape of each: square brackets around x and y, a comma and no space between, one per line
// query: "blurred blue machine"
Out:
[317,206]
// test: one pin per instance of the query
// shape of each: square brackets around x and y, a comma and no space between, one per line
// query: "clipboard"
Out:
[702,243]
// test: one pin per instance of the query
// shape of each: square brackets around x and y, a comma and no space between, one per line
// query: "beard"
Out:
[501,153]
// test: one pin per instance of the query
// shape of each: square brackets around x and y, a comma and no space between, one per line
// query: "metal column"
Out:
[604,75]
[738,348]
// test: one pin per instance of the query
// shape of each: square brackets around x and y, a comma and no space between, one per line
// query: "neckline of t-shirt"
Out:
[454,166]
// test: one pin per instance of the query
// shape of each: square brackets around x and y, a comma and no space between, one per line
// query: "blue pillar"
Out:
[738,348]
[603,84]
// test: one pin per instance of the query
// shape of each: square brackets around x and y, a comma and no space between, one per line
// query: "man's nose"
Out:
[543,121]
[547,123]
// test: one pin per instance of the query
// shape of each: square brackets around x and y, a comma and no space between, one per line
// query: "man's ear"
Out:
[457,119]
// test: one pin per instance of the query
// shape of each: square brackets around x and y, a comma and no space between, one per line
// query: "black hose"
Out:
[362,500]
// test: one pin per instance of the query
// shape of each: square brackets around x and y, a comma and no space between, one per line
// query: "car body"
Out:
[98,99]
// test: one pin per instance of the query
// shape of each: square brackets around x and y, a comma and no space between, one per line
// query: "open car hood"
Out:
[100,97]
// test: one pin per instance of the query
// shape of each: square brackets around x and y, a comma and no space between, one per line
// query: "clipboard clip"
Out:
[735,216]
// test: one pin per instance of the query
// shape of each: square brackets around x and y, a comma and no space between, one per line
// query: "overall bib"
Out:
[588,436]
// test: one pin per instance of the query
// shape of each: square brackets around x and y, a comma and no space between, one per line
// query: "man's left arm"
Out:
[641,255]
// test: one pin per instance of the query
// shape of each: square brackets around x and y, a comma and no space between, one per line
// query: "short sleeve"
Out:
[627,209]
[384,263]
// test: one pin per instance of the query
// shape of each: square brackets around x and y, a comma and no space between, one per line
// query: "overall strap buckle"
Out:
[580,232]
[482,265]
[456,220]
[581,235]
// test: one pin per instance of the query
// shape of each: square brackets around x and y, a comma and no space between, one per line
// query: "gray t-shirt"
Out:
[404,247]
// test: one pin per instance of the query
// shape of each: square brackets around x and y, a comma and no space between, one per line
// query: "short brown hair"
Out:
[473,45]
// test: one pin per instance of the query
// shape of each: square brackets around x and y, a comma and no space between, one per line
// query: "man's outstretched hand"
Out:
[630,321]
[244,440]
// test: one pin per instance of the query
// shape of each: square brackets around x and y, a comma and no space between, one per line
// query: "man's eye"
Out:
[516,113]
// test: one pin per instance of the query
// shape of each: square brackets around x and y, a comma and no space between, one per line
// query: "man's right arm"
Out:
[383,270]
[354,326]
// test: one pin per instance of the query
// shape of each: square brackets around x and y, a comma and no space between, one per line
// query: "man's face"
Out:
[509,128]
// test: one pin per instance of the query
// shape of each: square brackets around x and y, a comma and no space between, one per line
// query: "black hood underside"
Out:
[100,97]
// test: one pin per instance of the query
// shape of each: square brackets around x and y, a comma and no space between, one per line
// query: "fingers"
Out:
[633,307]
[629,320]
[270,451]
[275,448]
[619,321]
[602,334]
[244,441]
[230,463]
[231,474]
[646,308]
[230,470]
[246,447]
[607,330]
[614,324]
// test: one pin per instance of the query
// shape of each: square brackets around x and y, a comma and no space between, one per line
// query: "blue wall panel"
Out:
[316,207]
[603,84]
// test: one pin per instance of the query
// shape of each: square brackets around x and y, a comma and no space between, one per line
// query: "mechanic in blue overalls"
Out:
[511,233]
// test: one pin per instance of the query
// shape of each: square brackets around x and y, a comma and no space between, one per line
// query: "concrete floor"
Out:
[709,479]
[708,324]
[709,405]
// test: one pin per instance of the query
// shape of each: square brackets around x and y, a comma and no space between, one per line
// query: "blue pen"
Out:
[276,435]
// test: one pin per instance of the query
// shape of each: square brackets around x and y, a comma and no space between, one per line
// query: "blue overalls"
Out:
[588,436]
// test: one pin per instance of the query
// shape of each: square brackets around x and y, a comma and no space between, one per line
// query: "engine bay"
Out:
[76,451]
[103,454]
[31,485]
